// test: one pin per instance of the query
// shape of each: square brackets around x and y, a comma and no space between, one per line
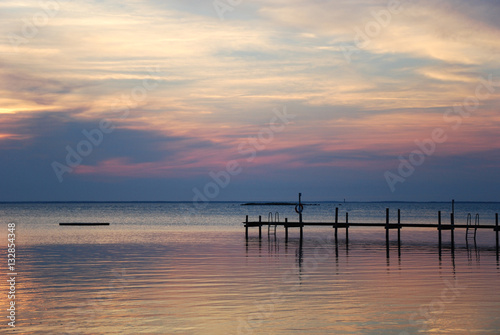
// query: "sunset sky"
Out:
[249,100]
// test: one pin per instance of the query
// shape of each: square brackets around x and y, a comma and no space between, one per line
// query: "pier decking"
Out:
[387,225]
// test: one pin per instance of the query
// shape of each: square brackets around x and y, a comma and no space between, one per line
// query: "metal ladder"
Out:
[471,229]
[270,220]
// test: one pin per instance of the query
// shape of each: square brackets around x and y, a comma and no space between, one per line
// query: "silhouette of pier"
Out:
[470,228]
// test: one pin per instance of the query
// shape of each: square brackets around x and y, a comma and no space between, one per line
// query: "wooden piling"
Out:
[439,231]
[286,229]
[336,224]
[399,228]
[452,217]
[260,227]
[399,232]
[496,230]
[246,227]
[346,228]
[300,206]
[387,231]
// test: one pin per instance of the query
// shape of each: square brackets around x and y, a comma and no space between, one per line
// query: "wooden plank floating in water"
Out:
[84,224]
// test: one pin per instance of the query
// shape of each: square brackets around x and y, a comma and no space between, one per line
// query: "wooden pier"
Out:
[387,225]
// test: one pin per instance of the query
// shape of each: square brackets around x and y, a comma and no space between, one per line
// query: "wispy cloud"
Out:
[221,79]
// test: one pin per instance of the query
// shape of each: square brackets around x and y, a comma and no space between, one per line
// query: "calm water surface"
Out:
[166,269]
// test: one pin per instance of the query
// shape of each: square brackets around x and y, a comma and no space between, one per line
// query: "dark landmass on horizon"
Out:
[276,204]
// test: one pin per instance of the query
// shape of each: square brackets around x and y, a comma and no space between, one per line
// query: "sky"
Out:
[217,100]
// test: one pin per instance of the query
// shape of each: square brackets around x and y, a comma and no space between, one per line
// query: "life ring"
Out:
[299,208]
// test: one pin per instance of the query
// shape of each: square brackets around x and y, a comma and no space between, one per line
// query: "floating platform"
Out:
[84,223]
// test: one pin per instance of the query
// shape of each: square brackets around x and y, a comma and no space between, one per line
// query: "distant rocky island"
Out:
[275,204]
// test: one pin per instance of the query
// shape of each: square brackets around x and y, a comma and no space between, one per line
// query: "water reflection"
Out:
[273,245]
[200,282]
[472,252]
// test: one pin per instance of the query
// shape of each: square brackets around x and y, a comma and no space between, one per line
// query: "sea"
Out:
[184,268]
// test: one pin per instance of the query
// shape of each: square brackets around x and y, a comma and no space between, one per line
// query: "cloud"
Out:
[218,82]
[459,31]
[43,139]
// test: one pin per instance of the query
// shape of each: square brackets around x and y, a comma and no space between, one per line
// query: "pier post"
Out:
[387,231]
[496,230]
[300,213]
[399,232]
[246,228]
[452,216]
[286,230]
[346,228]
[260,227]
[453,227]
[439,232]
[336,223]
